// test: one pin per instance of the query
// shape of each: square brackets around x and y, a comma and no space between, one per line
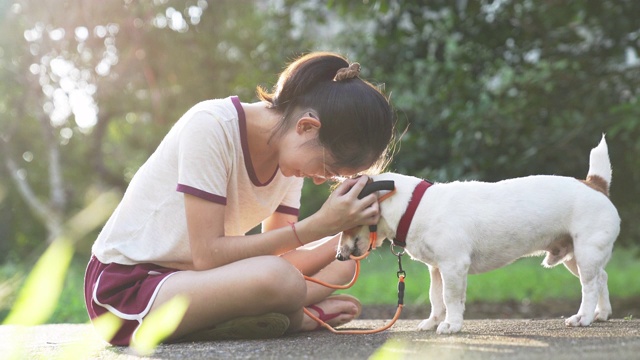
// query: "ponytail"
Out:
[357,120]
[302,75]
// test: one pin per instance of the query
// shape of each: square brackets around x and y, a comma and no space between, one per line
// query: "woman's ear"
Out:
[308,122]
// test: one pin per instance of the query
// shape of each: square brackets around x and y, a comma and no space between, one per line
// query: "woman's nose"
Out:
[319,180]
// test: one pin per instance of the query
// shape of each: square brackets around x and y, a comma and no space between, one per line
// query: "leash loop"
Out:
[401,276]
[373,237]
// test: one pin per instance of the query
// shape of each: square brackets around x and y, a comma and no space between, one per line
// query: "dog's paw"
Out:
[578,320]
[428,324]
[448,328]
[602,315]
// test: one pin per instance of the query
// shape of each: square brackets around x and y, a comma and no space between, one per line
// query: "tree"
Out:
[90,88]
[496,89]
[485,89]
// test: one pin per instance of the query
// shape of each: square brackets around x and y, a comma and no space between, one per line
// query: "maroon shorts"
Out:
[128,291]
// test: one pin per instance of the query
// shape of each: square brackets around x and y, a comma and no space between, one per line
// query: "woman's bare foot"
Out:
[334,310]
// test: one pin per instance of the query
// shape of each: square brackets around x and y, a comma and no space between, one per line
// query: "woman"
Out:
[226,167]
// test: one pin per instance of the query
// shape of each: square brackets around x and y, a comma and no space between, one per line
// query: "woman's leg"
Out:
[317,260]
[256,286]
[248,287]
[337,272]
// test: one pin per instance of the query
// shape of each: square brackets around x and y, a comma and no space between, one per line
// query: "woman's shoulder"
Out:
[222,109]
[210,115]
[207,120]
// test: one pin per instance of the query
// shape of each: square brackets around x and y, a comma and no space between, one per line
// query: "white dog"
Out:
[472,227]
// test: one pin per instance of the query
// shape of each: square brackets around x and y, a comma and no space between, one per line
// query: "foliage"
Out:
[46,278]
[70,307]
[159,325]
[497,89]
[39,296]
[485,89]
[143,65]
[523,280]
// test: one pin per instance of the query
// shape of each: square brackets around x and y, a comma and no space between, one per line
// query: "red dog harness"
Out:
[407,217]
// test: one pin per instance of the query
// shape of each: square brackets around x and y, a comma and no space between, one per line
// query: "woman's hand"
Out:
[343,210]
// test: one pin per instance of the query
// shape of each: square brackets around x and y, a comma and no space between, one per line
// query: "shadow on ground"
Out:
[511,330]
[513,339]
[549,309]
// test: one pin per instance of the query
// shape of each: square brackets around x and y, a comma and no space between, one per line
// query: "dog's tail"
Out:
[599,175]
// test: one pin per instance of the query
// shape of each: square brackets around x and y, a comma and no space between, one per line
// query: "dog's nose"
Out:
[341,258]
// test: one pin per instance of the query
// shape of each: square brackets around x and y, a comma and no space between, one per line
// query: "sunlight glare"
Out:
[176,21]
[56,34]
[61,109]
[84,108]
[100,31]
[27,156]
[60,66]
[82,33]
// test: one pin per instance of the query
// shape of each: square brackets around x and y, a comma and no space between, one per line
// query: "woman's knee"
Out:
[345,270]
[282,283]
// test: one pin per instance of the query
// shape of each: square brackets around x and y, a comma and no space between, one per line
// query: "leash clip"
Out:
[399,253]
[401,272]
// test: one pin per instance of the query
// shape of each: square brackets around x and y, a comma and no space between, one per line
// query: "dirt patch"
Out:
[549,309]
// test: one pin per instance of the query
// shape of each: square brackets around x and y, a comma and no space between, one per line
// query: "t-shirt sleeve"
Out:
[291,202]
[204,158]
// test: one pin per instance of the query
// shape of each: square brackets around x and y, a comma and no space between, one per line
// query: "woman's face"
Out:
[317,168]
[302,155]
[310,161]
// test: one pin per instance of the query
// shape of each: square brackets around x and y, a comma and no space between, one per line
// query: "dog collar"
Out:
[407,217]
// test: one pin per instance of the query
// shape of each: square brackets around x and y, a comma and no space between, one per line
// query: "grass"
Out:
[524,279]
[70,307]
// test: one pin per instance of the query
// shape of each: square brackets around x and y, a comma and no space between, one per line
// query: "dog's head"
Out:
[355,241]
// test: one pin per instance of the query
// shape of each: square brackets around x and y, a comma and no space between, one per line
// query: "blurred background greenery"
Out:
[482,89]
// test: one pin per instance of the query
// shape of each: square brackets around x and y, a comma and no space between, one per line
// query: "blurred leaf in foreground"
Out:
[159,324]
[106,326]
[38,297]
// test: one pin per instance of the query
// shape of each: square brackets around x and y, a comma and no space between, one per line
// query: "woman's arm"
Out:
[210,248]
[311,258]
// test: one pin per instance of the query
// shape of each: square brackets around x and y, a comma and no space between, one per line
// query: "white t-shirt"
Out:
[205,154]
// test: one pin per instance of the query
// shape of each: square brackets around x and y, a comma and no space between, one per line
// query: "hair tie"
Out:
[348,72]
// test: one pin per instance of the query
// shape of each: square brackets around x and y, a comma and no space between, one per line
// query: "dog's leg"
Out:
[603,309]
[590,261]
[454,276]
[436,296]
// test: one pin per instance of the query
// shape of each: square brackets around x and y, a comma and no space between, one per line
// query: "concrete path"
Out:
[480,339]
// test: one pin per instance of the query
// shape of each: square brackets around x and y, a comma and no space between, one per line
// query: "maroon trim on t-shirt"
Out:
[244,140]
[201,194]
[288,210]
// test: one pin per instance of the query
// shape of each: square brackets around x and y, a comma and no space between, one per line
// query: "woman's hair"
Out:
[357,119]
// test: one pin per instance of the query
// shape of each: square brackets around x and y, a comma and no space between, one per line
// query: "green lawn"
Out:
[524,279]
